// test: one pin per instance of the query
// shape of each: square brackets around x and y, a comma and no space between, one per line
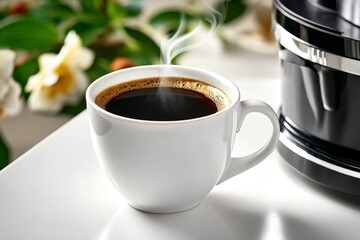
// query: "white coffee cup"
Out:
[170,166]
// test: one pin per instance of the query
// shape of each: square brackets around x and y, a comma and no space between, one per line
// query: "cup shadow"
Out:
[215,218]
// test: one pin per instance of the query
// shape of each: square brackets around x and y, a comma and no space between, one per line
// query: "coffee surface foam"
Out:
[216,95]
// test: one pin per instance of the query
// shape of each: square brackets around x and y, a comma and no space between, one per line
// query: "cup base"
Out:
[161,210]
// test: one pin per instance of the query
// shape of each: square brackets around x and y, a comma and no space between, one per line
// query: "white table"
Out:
[58,191]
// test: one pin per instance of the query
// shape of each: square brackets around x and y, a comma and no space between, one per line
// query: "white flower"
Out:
[10,91]
[61,79]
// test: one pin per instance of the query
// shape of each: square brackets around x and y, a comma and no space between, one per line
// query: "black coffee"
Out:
[169,100]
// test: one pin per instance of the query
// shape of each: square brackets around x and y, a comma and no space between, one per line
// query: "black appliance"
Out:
[320,112]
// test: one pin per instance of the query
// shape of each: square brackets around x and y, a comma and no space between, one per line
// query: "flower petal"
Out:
[76,93]
[82,59]
[47,61]
[13,103]
[39,102]
[33,83]
[7,58]
[82,81]
[50,79]
[4,88]
[71,45]
[46,76]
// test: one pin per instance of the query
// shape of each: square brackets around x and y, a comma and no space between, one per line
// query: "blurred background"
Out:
[52,49]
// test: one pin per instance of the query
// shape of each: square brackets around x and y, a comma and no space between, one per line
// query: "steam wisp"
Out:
[182,42]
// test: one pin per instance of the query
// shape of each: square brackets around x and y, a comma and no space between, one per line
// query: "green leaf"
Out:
[147,45]
[87,32]
[51,1]
[3,13]
[171,18]
[4,153]
[134,8]
[52,11]
[98,69]
[87,25]
[93,5]
[27,33]
[139,58]
[232,8]
[115,10]
[97,19]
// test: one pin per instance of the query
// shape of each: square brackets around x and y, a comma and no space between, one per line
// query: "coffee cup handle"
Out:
[240,164]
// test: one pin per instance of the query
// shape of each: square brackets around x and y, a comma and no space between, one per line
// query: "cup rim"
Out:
[91,102]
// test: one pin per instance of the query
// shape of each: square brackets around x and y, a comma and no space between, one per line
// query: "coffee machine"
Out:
[320,111]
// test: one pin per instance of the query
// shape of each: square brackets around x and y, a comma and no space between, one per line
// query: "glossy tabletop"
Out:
[57,190]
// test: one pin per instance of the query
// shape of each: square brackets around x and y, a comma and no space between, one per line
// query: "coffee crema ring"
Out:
[220,99]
